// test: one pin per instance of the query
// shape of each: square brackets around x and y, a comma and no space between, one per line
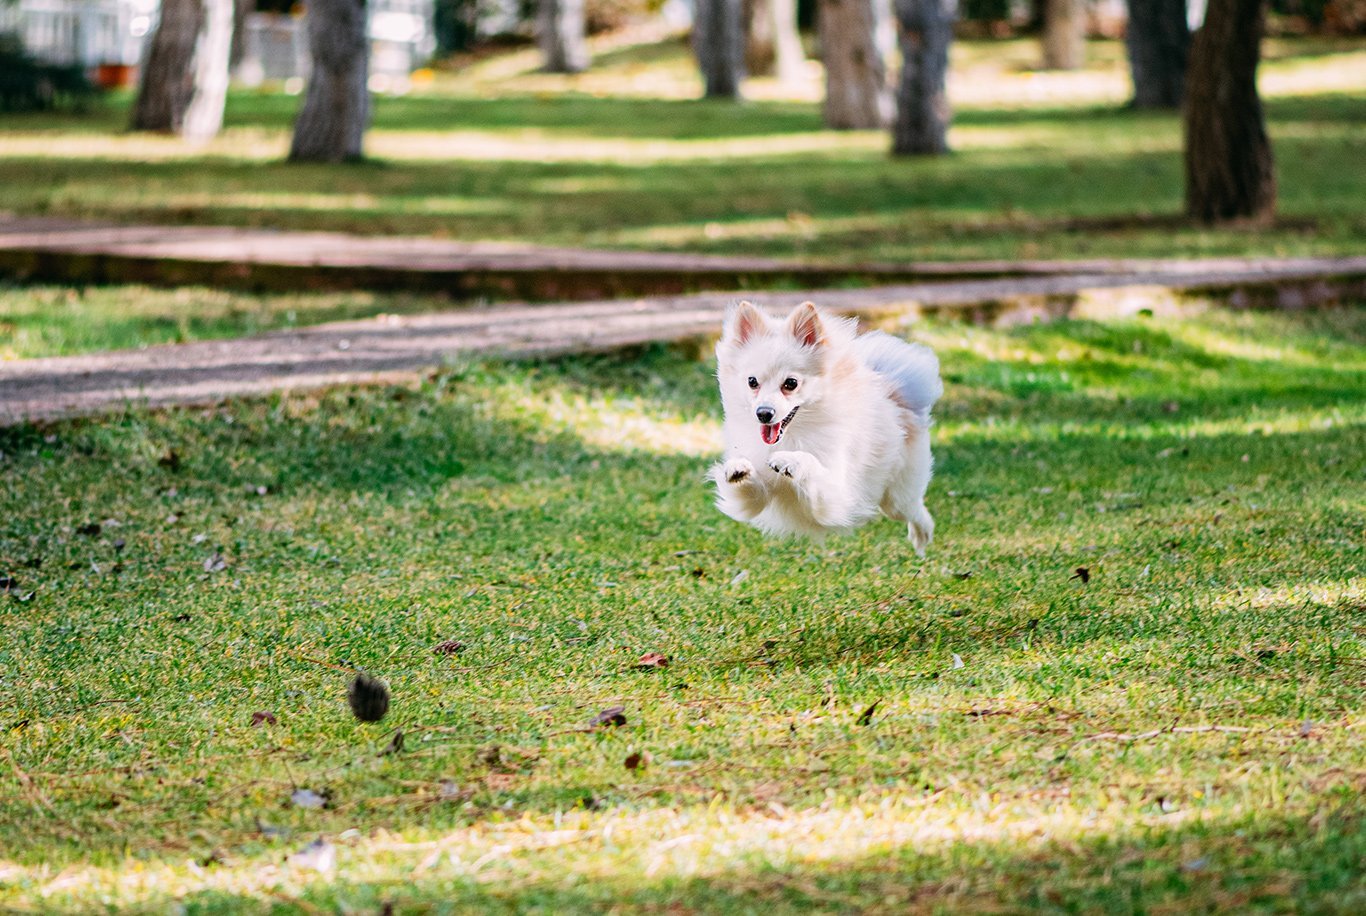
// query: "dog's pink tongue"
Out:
[770,432]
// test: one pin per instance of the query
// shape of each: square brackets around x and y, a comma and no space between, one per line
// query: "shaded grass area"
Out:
[40,321]
[1182,728]
[1067,178]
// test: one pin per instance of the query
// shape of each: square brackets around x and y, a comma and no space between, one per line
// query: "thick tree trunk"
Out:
[772,45]
[560,33]
[925,29]
[718,40]
[168,72]
[204,117]
[1064,34]
[1159,44]
[1230,173]
[856,90]
[331,124]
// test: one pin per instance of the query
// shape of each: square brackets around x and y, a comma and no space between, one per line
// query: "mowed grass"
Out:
[1046,165]
[43,320]
[840,726]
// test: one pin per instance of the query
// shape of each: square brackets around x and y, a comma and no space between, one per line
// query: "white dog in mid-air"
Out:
[824,427]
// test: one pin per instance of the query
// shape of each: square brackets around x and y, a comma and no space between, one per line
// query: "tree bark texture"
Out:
[718,39]
[204,116]
[773,46]
[1064,34]
[1158,39]
[336,110]
[241,9]
[925,30]
[168,72]
[561,35]
[1230,172]
[856,91]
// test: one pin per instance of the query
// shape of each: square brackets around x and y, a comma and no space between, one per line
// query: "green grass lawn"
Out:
[1047,165]
[1181,730]
[42,320]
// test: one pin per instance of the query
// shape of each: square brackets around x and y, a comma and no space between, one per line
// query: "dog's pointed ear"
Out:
[805,324]
[743,321]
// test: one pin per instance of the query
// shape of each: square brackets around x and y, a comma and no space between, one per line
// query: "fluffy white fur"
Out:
[858,442]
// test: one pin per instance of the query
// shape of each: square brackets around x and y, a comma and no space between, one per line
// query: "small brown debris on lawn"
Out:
[653,660]
[613,715]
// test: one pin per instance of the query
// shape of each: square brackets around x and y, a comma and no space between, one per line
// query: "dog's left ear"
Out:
[805,324]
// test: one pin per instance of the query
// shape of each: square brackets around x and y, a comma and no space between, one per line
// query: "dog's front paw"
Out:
[737,470]
[789,464]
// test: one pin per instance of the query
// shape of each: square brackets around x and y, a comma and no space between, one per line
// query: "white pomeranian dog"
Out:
[824,427]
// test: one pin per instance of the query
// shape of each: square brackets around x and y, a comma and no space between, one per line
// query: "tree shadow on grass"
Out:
[1263,860]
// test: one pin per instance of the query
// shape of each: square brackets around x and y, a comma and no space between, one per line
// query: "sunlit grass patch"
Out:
[839,726]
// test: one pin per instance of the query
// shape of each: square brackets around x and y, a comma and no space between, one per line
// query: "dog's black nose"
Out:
[765,414]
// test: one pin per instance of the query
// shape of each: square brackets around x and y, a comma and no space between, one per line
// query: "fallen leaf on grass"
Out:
[636,760]
[612,715]
[262,718]
[1083,574]
[957,660]
[307,798]
[320,856]
[395,745]
[866,717]
[449,647]
[653,660]
[215,563]
[500,782]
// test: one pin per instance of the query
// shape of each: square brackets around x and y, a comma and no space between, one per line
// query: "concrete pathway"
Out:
[399,347]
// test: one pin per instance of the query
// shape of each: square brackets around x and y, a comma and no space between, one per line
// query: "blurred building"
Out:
[109,37]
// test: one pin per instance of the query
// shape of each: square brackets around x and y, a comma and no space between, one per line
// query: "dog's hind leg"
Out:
[905,498]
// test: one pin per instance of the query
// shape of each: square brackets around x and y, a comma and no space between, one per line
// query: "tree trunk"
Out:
[1230,173]
[856,90]
[168,72]
[761,52]
[1064,34]
[560,33]
[241,9]
[331,124]
[1159,44]
[718,39]
[922,112]
[204,116]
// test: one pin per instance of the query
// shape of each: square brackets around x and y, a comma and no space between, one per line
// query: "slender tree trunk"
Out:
[922,113]
[204,116]
[718,39]
[560,33]
[789,58]
[241,9]
[1064,34]
[856,90]
[331,124]
[761,51]
[168,72]
[1159,45]
[1230,172]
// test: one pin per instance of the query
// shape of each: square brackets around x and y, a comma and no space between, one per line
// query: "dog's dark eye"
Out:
[753,382]
[789,384]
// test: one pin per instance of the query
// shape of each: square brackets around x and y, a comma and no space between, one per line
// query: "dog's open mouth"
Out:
[772,432]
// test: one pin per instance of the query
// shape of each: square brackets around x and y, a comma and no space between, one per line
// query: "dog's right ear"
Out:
[743,321]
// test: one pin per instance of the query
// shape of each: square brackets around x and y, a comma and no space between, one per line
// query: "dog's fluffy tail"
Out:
[912,369]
